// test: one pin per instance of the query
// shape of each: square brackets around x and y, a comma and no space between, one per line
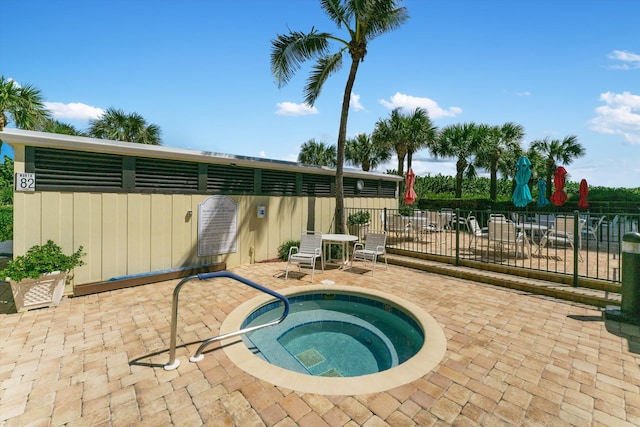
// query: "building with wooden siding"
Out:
[134,207]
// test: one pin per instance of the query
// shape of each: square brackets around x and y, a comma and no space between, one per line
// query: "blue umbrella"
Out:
[522,195]
[542,190]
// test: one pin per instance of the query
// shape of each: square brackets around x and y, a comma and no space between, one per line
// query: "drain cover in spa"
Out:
[310,358]
[333,372]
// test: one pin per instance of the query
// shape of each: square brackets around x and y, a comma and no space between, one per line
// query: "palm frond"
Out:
[338,13]
[289,51]
[376,17]
[325,67]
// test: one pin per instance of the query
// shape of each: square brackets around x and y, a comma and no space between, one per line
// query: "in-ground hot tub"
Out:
[336,340]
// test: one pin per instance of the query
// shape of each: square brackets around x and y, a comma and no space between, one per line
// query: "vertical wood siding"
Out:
[128,234]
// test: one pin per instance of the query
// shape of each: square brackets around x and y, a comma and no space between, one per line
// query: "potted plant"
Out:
[38,277]
[358,223]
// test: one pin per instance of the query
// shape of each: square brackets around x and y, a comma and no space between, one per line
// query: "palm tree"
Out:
[554,151]
[364,20]
[362,151]
[405,134]
[116,125]
[23,105]
[391,132]
[421,133]
[461,141]
[497,151]
[317,153]
[55,126]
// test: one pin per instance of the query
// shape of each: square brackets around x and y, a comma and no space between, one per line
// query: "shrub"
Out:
[360,217]
[6,223]
[283,249]
[42,259]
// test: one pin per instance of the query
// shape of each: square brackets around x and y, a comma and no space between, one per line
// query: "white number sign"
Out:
[25,181]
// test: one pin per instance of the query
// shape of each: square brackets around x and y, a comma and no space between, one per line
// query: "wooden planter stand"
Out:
[45,291]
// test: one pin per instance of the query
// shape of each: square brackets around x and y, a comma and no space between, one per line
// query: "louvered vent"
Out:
[387,189]
[76,170]
[223,179]
[278,183]
[317,185]
[160,175]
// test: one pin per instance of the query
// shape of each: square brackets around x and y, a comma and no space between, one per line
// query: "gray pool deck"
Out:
[512,358]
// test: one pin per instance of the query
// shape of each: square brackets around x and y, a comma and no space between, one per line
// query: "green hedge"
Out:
[6,223]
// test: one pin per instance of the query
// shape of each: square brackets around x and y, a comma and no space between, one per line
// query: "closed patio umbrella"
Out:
[559,196]
[521,194]
[410,195]
[542,190]
[584,190]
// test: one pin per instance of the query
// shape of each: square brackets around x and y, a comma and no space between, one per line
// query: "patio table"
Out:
[532,229]
[338,239]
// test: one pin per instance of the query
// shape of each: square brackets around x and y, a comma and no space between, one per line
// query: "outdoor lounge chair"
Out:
[307,254]
[563,232]
[594,228]
[504,233]
[398,224]
[373,247]
[476,230]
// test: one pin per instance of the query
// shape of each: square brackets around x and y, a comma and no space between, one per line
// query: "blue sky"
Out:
[200,71]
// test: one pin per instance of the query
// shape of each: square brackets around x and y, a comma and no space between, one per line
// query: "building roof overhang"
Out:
[15,137]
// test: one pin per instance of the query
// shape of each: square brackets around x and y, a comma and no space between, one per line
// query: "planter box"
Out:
[36,293]
[359,230]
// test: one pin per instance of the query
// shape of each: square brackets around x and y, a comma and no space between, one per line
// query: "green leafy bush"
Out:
[283,249]
[6,223]
[42,259]
[360,217]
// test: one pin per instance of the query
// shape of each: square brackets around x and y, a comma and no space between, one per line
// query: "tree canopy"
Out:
[363,20]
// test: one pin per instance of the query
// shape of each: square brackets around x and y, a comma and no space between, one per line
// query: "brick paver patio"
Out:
[512,359]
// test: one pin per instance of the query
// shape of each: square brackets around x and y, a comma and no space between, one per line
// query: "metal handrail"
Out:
[173,362]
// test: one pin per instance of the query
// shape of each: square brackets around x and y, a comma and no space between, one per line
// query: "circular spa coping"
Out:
[431,353]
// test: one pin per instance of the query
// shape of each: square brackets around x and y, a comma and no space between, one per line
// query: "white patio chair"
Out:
[594,228]
[448,217]
[307,254]
[398,224]
[497,217]
[463,221]
[373,247]
[504,233]
[476,230]
[563,232]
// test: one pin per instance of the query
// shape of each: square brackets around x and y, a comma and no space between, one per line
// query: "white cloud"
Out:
[262,154]
[73,111]
[354,102]
[525,93]
[293,109]
[410,103]
[619,116]
[630,60]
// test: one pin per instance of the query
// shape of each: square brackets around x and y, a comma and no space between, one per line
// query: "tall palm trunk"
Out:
[342,138]
[461,165]
[493,184]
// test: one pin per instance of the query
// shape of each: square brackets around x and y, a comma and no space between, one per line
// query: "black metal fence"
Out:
[579,244]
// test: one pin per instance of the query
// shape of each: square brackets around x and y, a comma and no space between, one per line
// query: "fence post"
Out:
[629,312]
[577,241]
[631,273]
[458,236]
[384,220]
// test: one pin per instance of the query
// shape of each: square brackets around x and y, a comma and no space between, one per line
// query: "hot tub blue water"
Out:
[339,335]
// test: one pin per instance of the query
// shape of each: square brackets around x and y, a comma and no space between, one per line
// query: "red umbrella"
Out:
[559,196]
[410,195]
[584,190]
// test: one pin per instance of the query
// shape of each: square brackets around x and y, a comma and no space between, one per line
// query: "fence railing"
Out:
[579,244]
